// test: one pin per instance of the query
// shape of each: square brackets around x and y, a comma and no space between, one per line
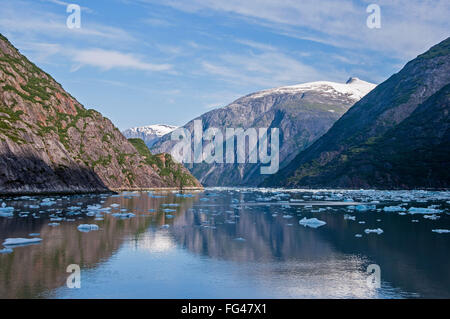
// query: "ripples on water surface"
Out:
[227,243]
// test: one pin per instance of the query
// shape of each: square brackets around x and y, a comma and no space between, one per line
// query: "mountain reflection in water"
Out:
[222,243]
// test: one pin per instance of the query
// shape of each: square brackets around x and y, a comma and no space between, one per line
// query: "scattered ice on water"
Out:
[441,231]
[21,241]
[312,222]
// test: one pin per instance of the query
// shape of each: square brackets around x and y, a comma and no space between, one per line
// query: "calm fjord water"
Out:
[227,243]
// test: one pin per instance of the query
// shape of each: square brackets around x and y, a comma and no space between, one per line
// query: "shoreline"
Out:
[80,192]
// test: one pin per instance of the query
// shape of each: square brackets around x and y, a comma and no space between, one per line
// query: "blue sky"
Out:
[143,62]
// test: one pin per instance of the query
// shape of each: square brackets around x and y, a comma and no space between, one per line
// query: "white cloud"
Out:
[409,27]
[106,60]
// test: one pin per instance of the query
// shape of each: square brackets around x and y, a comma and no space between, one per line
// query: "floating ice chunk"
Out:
[6,214]
[239,239]
[375,231]
[114,205]
[168,210]
[170,205]
[394,209]
[312,222]
[6,251]
[169,216]
[361,222]
[349,217]
[87,228]
[21,241]
[56,219]
[358,235]
[34,234]
[441,231]
[123,215]
[421,210]
[431,217]
[415,221]
[363,208]
[53,224]
[165,226]
[287,216]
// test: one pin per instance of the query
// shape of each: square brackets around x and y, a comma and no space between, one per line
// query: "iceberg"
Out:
[394,209]
[375,231]
[21,241]
[312,222]
[441,231]
[421,210]
[87,228]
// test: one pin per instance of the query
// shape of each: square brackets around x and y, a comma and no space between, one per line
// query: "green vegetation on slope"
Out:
[164,165]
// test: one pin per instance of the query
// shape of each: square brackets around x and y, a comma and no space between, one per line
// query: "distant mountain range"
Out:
[397,136]
[150,133]
[50,143]
[303,113]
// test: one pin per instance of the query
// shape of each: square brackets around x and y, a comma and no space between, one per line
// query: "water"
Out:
[227,243]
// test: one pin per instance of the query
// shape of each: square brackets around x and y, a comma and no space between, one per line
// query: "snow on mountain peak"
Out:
[354,88]
[150,133]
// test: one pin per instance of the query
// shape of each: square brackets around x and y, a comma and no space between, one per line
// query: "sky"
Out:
[142,62]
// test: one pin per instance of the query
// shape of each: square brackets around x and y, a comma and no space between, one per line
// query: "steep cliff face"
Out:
[395,137]
[302,112]
[50,143]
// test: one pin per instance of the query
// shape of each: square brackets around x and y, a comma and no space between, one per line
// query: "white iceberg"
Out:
[21,241]
[312,222]
[87,227]
[441,231]
[375,231]
[394,209]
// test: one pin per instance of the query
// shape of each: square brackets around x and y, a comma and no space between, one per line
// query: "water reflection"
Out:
[222,244]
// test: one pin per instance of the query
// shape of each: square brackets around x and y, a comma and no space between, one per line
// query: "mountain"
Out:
[302,112]
[172,173]
[50,143]
[395,137]
[150,133]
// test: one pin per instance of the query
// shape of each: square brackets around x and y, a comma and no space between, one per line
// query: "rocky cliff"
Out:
[50,143]
[396,137]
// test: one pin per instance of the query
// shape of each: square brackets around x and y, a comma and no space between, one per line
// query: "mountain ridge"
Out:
[369,123]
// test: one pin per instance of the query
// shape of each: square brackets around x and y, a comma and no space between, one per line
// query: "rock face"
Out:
[302,112]
[395,137]
[172,173]
[50,143]
[150,134]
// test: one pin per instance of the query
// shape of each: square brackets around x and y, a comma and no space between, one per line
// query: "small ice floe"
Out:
[441,231]
[431,217]
[312,222]
[287,216]
[6,251]
[114,205]
[349,217]
[54,224]
[164,226]
[34,234]
[358,235]
[168,210]
[394,209]
[87,228]
[421,210]
[170,205]
[415,220]
[21,241]
[124,215]
[56,219]
[99,218]
[169,216]
[374,231]
[239,239]
[364,208]
[378,220]
[48,202]
[361,222]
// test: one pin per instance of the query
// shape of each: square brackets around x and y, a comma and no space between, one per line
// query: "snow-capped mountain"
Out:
[302,112]
[150,133]
[354,88]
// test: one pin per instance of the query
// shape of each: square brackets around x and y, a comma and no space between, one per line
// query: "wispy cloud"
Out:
[408,26]
[107,60]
